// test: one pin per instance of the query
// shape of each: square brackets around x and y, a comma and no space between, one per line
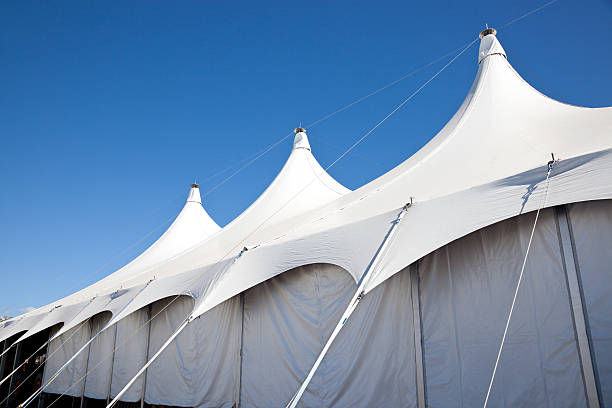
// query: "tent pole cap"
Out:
[195,185]
[486,32]
[299,130]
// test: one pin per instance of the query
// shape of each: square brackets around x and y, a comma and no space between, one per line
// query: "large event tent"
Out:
[257,300]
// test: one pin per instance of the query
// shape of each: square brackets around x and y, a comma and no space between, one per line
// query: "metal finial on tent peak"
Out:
[486,32]
[299,130]
[195,185]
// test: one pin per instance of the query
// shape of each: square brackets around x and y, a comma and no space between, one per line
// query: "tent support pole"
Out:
[241,349]
[82,404]
[3,360]
[5,346]
[110,380]
[380,253]
[576,302]
[43,396]
[418,338]
[14,378]
[144,375]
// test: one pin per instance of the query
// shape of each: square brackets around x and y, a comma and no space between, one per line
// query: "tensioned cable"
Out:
[37,368]
[22,364]
[115,347]
[89,371]
[325,117]
[266,150]
[41,347]
[359,293]
[363,98]
[402,104]
[137,242]
[518,285]
[58,372]
[361,139]
[376,126]
[527,14]
[272,146]
[218,274]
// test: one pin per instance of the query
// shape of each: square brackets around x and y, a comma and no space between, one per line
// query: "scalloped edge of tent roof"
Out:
[473,173]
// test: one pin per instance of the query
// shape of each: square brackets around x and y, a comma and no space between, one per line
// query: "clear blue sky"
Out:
[108,111]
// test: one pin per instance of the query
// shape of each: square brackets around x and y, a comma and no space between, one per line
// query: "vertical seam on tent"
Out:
[2,360]
[455,328]
[422,334]
[417,331]
[537,328]
[144,375]
[112,363]
[585,311]
[241,351]
[325,393]
[86,368]
[12,382]
[569,298]
[587,367]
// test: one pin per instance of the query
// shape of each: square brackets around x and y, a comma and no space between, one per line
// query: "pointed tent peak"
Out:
[489,45]
[194,194]
[301,140]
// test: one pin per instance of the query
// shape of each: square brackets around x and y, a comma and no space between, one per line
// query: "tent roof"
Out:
[191,226]
[487,164]
[302,183]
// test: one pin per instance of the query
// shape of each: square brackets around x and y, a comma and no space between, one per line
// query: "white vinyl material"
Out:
[190,227]
[130,354]
[488,164]
[71,380]
[591,225]
[201,367]
[466,292]
[100,356]
[288,319]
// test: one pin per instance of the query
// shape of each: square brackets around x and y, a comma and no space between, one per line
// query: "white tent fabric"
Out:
[488,164]
[191,226]
[100,362]
[287,321]
[494,149]
[130,353]
[301,185]
[592,230]
[61,349]
[466,292]
[201,368]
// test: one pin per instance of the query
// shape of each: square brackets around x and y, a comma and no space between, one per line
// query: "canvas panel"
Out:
[201,367]
[591,224]
[100,357]
[372,361]
[466,293]
[70,380]
[287,320]
[130,354]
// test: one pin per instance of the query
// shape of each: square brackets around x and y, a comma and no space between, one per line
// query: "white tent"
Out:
[435,306]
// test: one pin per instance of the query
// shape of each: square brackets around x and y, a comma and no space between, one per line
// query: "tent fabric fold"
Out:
[296,253]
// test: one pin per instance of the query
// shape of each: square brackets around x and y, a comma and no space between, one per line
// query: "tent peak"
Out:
[301,140]
[194,194]
[489,45]
[486,32]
